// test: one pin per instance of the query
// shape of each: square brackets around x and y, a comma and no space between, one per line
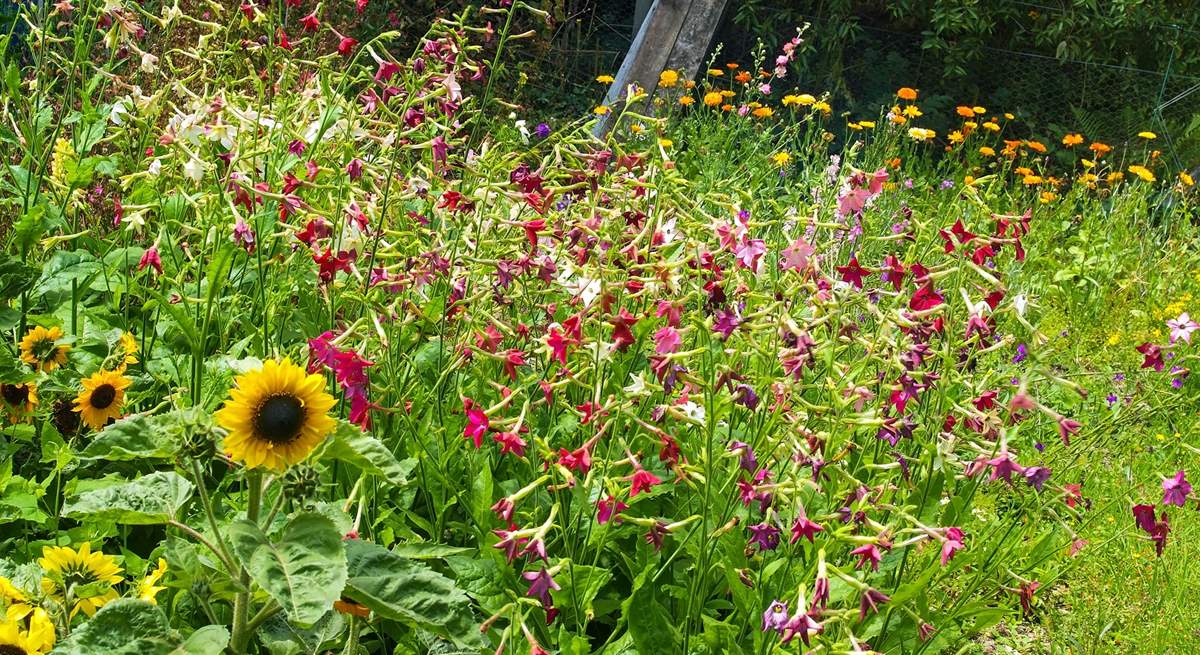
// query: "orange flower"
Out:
[712,98]
[742,77]
[907,93]
[1099,148]
[1036,146]
[964,111]
[1072,140]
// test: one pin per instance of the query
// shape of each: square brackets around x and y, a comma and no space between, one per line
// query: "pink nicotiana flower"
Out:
[1182,328]
[1176,490]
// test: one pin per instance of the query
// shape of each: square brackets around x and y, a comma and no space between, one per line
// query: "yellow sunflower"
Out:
[36,639]
[102,397]
[275,416]
[129,346]
[148,588]
[16,603]
[79,572]
[40,348]
[19,400]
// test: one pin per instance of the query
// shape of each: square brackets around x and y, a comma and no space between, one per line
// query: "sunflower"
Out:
[70,570]
[102,397]
[36,639]
[15,602]
[40,348]
[148,588]
[276,415]
[19,400]
[129,347]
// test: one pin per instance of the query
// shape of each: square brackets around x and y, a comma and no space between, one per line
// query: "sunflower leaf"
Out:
[123,627]
[402,589]
[304,570]
[134,437]
[357,448]
[148,500]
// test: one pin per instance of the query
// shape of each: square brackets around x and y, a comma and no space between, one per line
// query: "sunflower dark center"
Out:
[11,649]
[15,395]
[279,419]
[103,396]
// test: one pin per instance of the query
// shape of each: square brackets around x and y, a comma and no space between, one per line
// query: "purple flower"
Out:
[1036,476]
[542,130]
[748,462]
[1022,353]
[870,601]
[765,535]
[1176,490]
[1111,399]
[947,184]
[540,584]
[1119,377]
[775,618]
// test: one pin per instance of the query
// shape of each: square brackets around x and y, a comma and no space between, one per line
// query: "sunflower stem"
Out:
[242,626]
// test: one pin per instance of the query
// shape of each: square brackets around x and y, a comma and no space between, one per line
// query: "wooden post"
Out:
[675,34]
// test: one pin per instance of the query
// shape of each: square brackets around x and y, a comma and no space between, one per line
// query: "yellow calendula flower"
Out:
[1048,197]
[781,159]
[666,143]
[67,569]
[102,398]
[275,415]
[921,133]
[601,110]
[1072,140]
[668,78]
[1186,179]
[1142,172]
[763,112]
[955,137]
[148,588]
[867,125]
[713,98]
[686,101]
[822,107]
[991,126]
[1009,116]
[1031,180]
[605,79]
[987,152]
[716,72]
[912,111]
[979,110]
[42,349]
[1149,136]
[20,400]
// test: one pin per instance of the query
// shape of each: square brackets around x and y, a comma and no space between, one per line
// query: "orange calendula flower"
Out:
[1072,140]
[763,112]
[1100,148]
[987,152]
[1036,146]
[686,101]
[668,78]
[712,98]
[964,111]
[906,93]
[742,77]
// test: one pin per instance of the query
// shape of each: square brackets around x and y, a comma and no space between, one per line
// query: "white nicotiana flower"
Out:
[149,62]
[638,385]
[119,111]
[193,169]
[523,130]
[135,221]
[1019,303]
[223,132]
[155,168]
[693,411]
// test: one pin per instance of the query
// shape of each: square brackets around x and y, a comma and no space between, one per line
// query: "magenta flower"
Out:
[477,423]
[951,544]
[510,442]
[803,527]
[802,625]
[870,601]
[666,340]
[540,584]
[1176,490]
[1182,328]
[608,508]
[642,480]
[1004,466]
[867,554]
[151,258]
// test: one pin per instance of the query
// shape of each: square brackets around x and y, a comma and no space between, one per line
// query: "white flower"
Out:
[135,221]
[693,411]
[638,385]
[523,130]
[1019,303]
[119,111]
[149,62]
[193,169]
[155,168]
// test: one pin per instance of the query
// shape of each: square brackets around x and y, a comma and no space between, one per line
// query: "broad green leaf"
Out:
[405,590]
[304,570]
[123,627]
[209,640]
[580,585]
[427,550]
[15,277]
[131,438]
[363,451]
[649,626]
[149,500]
[65,267]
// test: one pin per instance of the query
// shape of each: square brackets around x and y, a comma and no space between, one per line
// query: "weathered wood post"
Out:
[675,34]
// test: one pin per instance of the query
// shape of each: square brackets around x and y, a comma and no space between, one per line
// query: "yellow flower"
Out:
[1072,140]
[637,128]
[147,589]
[102,397]
[987,152]
[1186,179]
[979,110]
[601,110]
[822,107]
[1030,180]
[38,639]
[763,112]
[19,401]
[1009,116]
[969,125]
[1113,178]
[275,415]
[921,134]
[63,155]
[40,348]
[605,79]
[716,72]
[781,159]
[912,111]
[969,180]
[686,101]
[1048,197]
[71,570]
[1142,172]
[991,126]
[668,78]
[666,143]
[1149,136]
[955,137]
[867,124]
[906,93]
[130,347]
[1089,179]
[712,98]
[14,601]
[964,111]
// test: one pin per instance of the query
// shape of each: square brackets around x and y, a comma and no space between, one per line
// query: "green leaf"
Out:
[363,451]
[404,590]
[580,585]
[209,640]
[15,277]
[67,266]
[651,630]
[304,570]
[149,500]
[135,437]
[123,627]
